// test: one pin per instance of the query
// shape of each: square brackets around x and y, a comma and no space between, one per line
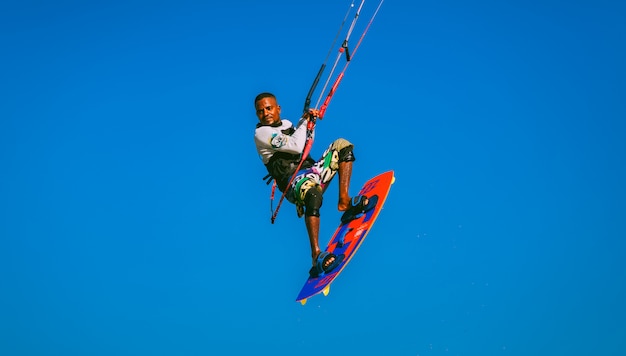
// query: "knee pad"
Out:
[313,201]
[346,154]
[344,149]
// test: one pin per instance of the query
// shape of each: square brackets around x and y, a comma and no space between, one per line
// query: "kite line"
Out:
[343,50]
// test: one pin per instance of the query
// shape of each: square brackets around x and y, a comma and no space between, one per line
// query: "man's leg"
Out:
[345,157]
[313,229]
[345,172]
[312,205]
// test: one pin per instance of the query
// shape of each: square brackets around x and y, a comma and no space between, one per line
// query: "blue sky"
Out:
[133,217]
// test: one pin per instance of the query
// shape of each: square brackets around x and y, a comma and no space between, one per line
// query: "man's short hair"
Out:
[263,96]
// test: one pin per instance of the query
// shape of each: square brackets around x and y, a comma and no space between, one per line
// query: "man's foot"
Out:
[344,203]
[358,206]
[325,263]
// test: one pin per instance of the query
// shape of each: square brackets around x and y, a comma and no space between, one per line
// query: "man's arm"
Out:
[275,139]
[269,140]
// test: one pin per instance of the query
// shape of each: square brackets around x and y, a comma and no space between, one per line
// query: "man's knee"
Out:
[313,201]
[345,149]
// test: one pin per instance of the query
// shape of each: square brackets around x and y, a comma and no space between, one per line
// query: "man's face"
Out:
[268,111]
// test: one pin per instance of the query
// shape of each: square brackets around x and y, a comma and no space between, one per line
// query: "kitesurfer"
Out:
[280,145]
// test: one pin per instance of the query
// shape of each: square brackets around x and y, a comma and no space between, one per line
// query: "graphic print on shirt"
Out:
[278,140]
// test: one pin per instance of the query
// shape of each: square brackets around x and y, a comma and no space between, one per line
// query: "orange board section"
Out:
[349,236]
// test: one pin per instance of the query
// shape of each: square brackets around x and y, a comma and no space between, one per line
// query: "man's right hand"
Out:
[311,115]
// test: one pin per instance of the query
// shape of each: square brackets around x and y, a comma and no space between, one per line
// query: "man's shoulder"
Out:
[272,130]
[276,126]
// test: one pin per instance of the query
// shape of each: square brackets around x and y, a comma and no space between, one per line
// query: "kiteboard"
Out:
[349,236]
